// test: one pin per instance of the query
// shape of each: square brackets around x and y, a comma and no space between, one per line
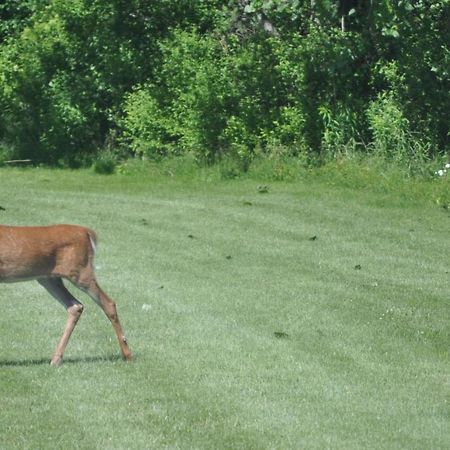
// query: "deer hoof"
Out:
[56,361]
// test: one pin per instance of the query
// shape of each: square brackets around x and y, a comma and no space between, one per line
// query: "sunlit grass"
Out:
[306,315]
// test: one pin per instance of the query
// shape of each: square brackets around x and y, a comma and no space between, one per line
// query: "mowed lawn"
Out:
[309,316]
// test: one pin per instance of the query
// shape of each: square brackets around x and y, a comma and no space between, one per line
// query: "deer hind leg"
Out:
[74,309]
[109,308]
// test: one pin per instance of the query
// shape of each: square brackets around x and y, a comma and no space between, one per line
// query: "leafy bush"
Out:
[323,79]
[392,136]
[145,127]
[340,133]
[6,153]
[105,163]
[183,110]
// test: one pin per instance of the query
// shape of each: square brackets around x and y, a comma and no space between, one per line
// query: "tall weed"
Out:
[392,138]
[341,137]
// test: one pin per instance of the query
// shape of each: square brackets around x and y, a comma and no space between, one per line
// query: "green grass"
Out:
[311,316]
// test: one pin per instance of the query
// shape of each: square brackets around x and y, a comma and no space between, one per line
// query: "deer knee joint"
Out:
[76,310]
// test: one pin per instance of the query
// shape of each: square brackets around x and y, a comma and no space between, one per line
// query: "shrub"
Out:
[145,129]
[392,138]
[341,136]
[184,110]
[6,153]
[105,163]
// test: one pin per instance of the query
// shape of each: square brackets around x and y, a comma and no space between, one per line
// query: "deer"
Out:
[49,255]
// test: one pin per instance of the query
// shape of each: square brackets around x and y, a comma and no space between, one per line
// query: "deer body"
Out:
[49,255]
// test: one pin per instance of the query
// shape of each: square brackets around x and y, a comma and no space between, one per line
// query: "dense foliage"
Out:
[238,78]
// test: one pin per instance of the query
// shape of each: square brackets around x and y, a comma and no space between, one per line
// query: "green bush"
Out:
[145,127]
[105,163]
[324,83]
[392,138]
[341,136]
[184,110]
[6,153]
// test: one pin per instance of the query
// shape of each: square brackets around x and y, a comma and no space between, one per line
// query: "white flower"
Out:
[440,172]
[447,166]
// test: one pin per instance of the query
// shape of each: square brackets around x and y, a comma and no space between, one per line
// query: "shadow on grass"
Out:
[46,361]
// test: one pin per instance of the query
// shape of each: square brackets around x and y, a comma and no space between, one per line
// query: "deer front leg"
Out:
[74,313]
[74,309]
